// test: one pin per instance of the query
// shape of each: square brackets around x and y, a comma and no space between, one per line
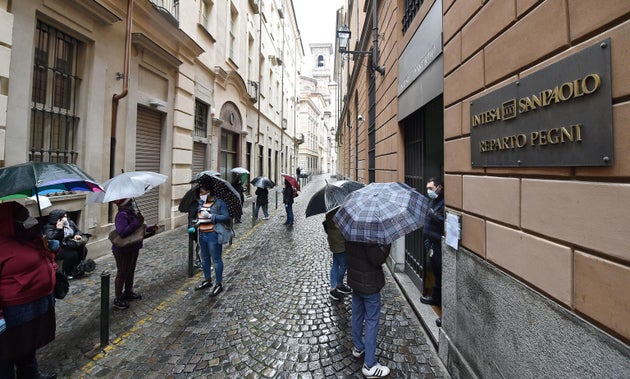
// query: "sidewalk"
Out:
[274,319]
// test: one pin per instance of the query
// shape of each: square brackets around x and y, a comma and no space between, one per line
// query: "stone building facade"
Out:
[538,277]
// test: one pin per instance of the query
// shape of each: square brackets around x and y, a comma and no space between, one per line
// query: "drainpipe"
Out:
[116,98]
[375,66]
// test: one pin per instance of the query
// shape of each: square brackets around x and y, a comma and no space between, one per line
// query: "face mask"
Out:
[65,221]
[29,222]
[203,197]
[432,194]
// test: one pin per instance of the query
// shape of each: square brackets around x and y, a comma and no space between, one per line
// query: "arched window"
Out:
[320,61]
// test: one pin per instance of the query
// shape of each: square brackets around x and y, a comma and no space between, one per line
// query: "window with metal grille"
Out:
[54,122]
[201,119]
[411,8]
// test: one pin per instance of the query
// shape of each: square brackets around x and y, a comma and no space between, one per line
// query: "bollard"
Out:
[190,254]
[253,214]
[104,309]
[276,192]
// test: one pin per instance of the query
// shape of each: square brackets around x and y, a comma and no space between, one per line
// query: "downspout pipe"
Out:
[375,66]
[116,98]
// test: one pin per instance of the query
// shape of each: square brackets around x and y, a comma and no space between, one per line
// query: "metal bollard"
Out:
[276,192]
[104,308]
[191,246]
[253,214]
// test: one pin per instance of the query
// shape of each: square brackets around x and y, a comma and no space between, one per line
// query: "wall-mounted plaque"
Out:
[560,115]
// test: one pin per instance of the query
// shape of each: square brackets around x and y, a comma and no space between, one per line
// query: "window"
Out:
[201,119]
[228,152]
[320,61]
[233,27]
[205,12]
[54,121]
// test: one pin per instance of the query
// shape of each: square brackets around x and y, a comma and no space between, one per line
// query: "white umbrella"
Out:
[127,185]
[239,170]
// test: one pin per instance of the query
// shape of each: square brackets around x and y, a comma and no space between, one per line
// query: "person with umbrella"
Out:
[262,201]
[27,305]
[238,186]
[127,220]
[211,212]
[337,245]
[287,199]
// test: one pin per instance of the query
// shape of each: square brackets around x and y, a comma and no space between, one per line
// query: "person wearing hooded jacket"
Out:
[61,229]
[27,305]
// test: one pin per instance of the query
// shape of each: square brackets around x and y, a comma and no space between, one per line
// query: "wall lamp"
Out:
[343,37]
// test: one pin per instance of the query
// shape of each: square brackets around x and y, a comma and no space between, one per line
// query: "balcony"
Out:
[169,9]
[252,91]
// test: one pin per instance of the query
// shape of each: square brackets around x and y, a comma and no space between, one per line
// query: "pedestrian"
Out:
[337,245]
[433,230]
[211,212]
[298,171]
[71,242]
[288,194]
[238,186]
[262,201]
[366,278]
[128,219]
[192,229]
[27,304]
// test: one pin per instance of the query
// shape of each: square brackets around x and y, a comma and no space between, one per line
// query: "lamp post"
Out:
[343,38]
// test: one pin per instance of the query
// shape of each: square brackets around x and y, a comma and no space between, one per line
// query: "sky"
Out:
[316,20]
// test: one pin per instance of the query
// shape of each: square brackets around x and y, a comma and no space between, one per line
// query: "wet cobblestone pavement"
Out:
[274,318]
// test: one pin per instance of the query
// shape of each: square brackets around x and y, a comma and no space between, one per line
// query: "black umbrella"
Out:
[189,197]
[262,182]
[330,196]
[197,176]
[224,191]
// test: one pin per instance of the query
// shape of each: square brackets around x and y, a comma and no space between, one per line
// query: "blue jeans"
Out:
[366,308]
[264,208]
[338,269]
[211,249]
[289,209]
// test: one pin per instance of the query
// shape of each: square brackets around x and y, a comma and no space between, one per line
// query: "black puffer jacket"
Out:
[51,231]
[364,264]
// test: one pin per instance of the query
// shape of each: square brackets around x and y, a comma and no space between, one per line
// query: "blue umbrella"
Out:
[381,213]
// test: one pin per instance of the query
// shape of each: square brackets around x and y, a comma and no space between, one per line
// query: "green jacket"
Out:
[336,241]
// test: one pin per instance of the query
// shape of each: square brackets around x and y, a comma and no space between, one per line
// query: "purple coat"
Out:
[126,222]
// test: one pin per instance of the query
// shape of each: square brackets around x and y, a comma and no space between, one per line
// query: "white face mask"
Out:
[203,197]
[432,194]
[29,222]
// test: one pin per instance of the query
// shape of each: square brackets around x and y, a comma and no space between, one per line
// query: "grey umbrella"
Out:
[381,213]
[331,196]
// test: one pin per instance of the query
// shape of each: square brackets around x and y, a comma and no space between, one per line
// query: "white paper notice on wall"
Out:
[453,229]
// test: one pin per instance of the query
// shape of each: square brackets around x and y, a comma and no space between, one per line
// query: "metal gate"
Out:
[148,151]
[414,176]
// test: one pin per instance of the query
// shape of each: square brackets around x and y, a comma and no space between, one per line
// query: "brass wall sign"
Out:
[558,116]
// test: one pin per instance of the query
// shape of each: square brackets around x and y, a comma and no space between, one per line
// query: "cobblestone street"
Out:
[273,320]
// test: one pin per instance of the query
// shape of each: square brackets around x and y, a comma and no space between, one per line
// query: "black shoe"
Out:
[430,300]
[438,322]
[217,289]
[335,295]
[344,289]
[120,303]
[237,221]
[204,284]
[132,296]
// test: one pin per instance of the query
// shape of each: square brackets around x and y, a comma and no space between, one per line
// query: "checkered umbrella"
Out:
[381,213]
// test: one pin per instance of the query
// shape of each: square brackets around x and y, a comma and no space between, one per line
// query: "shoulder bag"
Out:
[135,237]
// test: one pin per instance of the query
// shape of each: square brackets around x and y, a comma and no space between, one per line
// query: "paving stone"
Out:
[274,318]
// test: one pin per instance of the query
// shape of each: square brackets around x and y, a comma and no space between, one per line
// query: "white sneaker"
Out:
[265,218]
[377,371]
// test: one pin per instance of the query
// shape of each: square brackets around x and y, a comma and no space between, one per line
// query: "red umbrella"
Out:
[292,181]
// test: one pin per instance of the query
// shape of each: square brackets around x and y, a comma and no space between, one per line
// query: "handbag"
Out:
[62,285]
[133,238]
